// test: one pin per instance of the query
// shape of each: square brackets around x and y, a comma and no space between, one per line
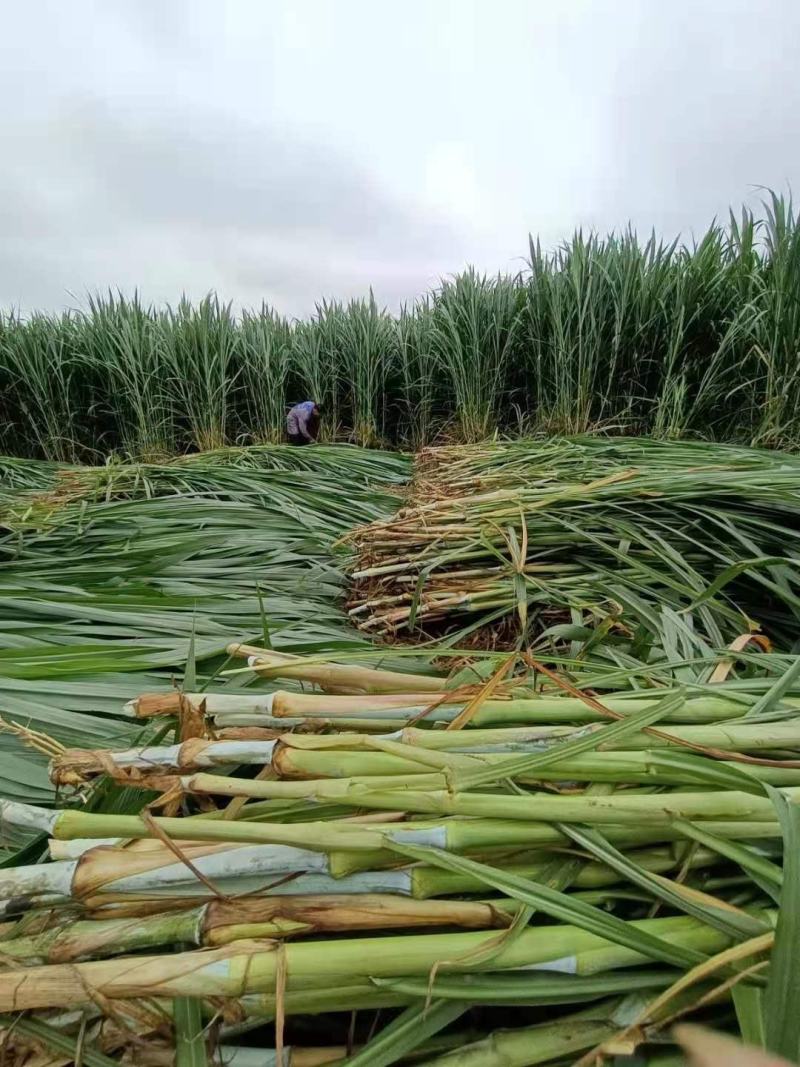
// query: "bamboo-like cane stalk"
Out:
[616,766]
[335,676]
[108,873]
[732,736]
[534,708]
[619,809]
[73,766]
[280,704]
[268,708]
[481,834]
[305,757]
[220,923]
[287,908]
[67,824]
[648,823]
[247,966]
[317,789]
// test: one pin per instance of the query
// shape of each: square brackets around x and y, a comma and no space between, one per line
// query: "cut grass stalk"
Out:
[335,676]
[735,736]
[327,775]
[617,809]
[220,923]
[248,967]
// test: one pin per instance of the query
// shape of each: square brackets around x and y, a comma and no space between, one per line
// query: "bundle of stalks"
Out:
[691,543]
[595,864]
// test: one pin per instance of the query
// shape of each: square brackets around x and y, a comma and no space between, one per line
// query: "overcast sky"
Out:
[286,150]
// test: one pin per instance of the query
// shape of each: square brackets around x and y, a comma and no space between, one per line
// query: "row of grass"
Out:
[672,340]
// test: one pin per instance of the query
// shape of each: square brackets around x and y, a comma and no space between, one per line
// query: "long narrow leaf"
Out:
[782,1019]
[190,1043]
[776,692]
[767,874]
[748,1000]
[587,741]
[407,1032]
[500,987]
[61,1044]
[560,906]
[731,921]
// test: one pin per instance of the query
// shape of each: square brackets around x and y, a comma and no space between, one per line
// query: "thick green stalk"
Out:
[337,676]
[323,789]
[475,835]
[95,940]
[547,808]
[733,736]
[219,923]
[543,709]
[70,824]
[345,995]
[616,766]
[247,967]
[433,881]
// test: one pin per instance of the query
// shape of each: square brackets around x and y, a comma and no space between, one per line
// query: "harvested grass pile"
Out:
[683,544]
[432,851]
[115,579]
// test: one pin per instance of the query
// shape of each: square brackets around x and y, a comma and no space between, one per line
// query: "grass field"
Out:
[615,332]
[484,754]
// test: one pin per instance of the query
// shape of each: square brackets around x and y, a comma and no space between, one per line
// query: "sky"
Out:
[285,151]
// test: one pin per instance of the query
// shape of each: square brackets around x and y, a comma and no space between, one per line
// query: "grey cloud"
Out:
[289,151]
[706,111]
[253,210]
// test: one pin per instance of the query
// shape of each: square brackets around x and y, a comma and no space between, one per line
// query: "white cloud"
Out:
[451,184]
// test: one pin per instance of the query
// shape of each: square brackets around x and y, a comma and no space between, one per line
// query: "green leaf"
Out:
[407,1032]
[782,1019]
[776,692]
[60,1043]
[737,569]
[266,639]
[559,905]
[190,1036]
[737,925]
[190,671]
[586,741]
[748,1000]
[705,771]
[767,875]
[500,987]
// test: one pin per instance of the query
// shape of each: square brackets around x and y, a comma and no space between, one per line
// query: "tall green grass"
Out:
[414,389]
[357,341]
[266,357]
[475,326]
[698,339]
[200,347]
[43,408]
[122,345]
